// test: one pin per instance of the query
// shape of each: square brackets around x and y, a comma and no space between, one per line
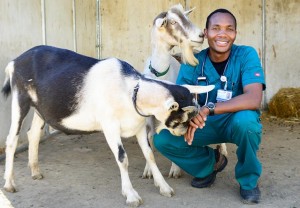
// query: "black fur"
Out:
[183,97]
[128,70]
[6,89]
[40,65]
[121,153]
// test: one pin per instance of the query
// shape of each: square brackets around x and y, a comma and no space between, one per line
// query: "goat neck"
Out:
[150,98]
[160,58]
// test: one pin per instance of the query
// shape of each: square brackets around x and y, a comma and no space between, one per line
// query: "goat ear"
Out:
[179,6]
[199,89]
[171,105]
[160,22]
[189,11]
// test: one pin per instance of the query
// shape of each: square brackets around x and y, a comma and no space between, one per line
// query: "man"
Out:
[230,115]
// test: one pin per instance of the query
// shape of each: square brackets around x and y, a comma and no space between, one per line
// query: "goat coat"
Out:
[79,94]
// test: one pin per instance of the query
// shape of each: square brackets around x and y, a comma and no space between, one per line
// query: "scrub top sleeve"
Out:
[252,71]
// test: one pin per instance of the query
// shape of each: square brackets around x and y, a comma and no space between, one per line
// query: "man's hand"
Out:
[197,122]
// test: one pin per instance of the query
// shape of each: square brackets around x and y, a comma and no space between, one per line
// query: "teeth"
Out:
[222,42]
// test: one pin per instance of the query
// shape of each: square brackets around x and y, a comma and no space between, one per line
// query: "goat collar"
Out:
[134,98]
[156,73]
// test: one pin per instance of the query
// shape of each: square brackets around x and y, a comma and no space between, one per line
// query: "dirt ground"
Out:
[80,171]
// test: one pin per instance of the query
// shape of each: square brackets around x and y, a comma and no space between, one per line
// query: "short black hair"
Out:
[219,11]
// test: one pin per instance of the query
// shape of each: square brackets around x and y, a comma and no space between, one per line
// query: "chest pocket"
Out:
[234,82]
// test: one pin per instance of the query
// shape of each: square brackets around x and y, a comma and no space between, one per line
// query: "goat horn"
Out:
[189,11]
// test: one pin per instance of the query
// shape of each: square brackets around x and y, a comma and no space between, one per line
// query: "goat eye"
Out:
[176,123]
[173,22]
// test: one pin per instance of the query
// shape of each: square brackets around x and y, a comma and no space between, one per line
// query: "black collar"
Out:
[134,97]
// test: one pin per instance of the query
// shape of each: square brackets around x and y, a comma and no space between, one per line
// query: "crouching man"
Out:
[229,113]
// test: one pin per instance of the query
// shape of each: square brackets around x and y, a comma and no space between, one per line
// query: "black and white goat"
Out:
[77,94]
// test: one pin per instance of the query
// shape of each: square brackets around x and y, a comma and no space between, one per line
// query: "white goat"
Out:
[171,28]
[78,94]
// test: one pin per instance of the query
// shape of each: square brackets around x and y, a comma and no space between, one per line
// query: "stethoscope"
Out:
[204,78]
[201,79]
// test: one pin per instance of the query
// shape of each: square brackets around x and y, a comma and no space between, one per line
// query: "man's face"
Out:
[221,33]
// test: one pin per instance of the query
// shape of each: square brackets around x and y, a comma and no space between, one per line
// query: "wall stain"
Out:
[285,6]
[274,51]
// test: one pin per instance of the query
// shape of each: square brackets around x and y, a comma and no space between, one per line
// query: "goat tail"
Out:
[6,89]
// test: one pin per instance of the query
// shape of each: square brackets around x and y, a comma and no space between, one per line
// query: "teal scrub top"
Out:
[243,68]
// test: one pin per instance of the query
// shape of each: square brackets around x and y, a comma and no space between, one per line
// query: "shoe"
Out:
[250,196]
[221,162]
[204,182]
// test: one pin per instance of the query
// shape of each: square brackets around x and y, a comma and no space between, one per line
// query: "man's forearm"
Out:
[250,100]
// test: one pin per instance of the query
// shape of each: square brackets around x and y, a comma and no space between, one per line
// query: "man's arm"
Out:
[249,100]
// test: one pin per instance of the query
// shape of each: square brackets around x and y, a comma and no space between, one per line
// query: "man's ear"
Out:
[205,33]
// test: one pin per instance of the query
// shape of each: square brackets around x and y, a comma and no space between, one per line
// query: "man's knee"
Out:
[167,142]
[246,120]
[160,141]
[245,123]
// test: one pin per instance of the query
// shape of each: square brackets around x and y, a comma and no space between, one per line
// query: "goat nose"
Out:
[201,35]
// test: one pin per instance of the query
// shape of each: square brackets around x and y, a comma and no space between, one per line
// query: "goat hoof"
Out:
[132,198]
[134,203]
[175,171]
[147,176]
[175,175]
[37,177]
[10,189]
[147,172]
[168,193]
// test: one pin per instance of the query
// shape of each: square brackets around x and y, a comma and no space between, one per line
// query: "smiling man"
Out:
[229,114]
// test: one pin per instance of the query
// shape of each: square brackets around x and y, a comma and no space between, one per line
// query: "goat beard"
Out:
[187,55]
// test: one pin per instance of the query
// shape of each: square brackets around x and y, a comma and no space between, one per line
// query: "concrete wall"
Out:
[126,28]
[282,45]
[270,26]
[131,25]
[20,26]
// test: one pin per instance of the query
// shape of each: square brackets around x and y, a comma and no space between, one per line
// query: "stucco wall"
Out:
[125,33]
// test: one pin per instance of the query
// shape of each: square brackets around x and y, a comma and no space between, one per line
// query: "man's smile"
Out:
[221,43]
